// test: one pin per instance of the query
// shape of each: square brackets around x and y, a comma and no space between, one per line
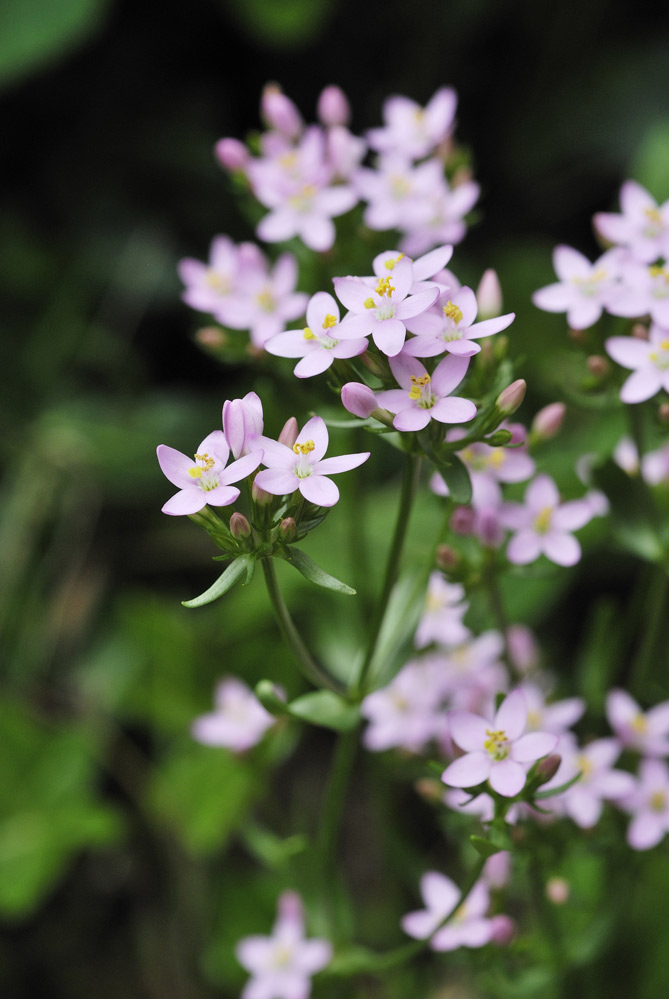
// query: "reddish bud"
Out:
[640,331]
[239,526]
[289,432]
[288,529]
[279,111]
[358,399]
[548,421]
[598,365]
[446,558]
[557,891]
[489,295]
[232,154]
[333,107]
[510,399]
[547,768]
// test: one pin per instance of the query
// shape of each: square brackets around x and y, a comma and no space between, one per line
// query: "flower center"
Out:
[589,285]
[308,334]
[399,186]
[660,358]
[302,467]
[542,521]
[497,745]
[585,766]
[385,286]
[655,220]
[451,311]
[201,470]
[283,955]
[302,201]
[266,301]
[658,801]
[217,282]
[329,321]
[639,724]
[420,391]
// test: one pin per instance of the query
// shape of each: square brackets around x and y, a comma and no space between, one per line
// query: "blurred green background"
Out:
[122,867]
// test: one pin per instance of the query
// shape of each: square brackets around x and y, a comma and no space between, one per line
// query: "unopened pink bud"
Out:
[239,526]
[279,111]
[210,337]
[489,295]
[548,767]
[290,908]
[259,496]
[288,529]
[333,107]
[289,432]
[232,154]
[462,520]
[503,929]
[497,869]
[510,399]
[663,412]
[358,399]
[557,891]
[446,557]
[598,365]
[548,421]
[522,647]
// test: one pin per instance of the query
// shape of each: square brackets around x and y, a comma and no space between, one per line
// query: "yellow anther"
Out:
[665,344]
[288,160]
[658,801]
[265,300]
[391,261]
[415,392]
[369,303]
[329,321]
[207,461]
[639,723]
[497,744]
[653,214]
[658,271]
[421,379]
[307,334]
[195,472]
[385,287]
[543,520]
[217,281]
[585,766]
[305,448]
[451,311]
[497,458]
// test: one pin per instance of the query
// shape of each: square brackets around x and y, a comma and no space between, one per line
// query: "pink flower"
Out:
[643,290]
[543,524]
[649,804]
[648,358]
[643,226]
[382,310]
[412,130]
[239,720]
[556,717]
[598,782]
[333,107]
[399,194]
[208,286]
[406,712]
[425,397]
[204,480]
[282,964]
[441,216]
[584,289]
[496,751]
[243,423]
[647,733]
[264,300]
[468,926]
[323,339]
[445,607]
[449,326]
[303,466]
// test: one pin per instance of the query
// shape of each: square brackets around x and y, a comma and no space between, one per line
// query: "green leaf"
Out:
[281,24]
[323,707]
[484,847]
[301,561]
[454,473]
[225,581]
[34,33]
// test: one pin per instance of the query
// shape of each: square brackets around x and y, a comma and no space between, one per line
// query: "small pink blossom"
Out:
[648,803]
[468,926]
[496,750]
[282,964]
[643,291]
[598,781]
[425,397]
[449,326]
[243,423]
[554,717]
[204,479]
[303,466]
[412,130]
[642,225]
[445,606]
[543,525]
[584,289]
[647,732]
[406,713]
[239,720]
[649,360]
[323,339]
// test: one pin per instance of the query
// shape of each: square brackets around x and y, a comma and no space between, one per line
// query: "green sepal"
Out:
[266,693]
[325,708]
[227,579]
[484,847]
[301,561]
[559,790]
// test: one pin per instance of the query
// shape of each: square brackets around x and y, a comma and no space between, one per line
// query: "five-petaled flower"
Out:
[204,479]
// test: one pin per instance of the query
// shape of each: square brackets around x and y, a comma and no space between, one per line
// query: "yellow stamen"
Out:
[307,334]
[543,520]
[206,459]
[265,300]
[305,448]
[417,384]
[585,766]
[195,472]
[369,303]
[391,261]
[329,321]
[658,801]
[657,271]
[497,744]
[384,287]
[640,724]
[451,311]
[654,215]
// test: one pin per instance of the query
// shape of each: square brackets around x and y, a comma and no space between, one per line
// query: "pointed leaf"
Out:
[225,582]
[484,847]
[455,475]
[301,561]
[323,707]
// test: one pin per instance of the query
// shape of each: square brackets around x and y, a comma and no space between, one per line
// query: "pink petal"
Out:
[412,419]
[542,493]
[569,263]
[414,305]
[419,924]
[641,385]
[313,363]
[449,373]
[439,893]
[318,232]
[288,344]
[533,746]
[278,481]
[561,548]
[316,431]
[453,410]
[572,516]
[352,293]
[320,305]
[341,463]
[507,778]
[645,831]
[490,326]
[222,495]
[431,263]
[511,715]
[468,771]
[174,465]
[185,502]
[627,350]
[553,298]
[240,468]
[319,490]
[277,226]
[468,731]
[389,336]
[524,547]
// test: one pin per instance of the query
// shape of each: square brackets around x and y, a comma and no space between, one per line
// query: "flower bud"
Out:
[499,438]
[429,789]
[270,696]
[288,529]
[598,365]
[510,399]
[239,526]
[489,295]
[557,890]
[548,421]
[358,399]
[503,929]
[663,412]
[522,648]
[289,432]
[279,111]
[232,154]
[497,869]
[210,337]
[242,423]
[260,496]
[446,558]
[547,768]
[333,107]
[462,520]
[640,331]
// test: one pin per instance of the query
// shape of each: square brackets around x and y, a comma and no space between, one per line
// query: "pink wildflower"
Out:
[642,226]
[303,466]
[647,733]
[649,360]
[468,927]
[323,339]
[449,326]
[425,397]
[584,289]
[598,782]
[265,300]
[441,621]
[643,291]
[204,479]
[243,423]
[239,720]
[282,964]
[412,130]
[649,805]
[496,751]
[543,525]
[406,712]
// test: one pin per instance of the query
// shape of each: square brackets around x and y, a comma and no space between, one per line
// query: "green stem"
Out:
[491,580]
[655,614]
[291,636]
[409,486]
[334,801]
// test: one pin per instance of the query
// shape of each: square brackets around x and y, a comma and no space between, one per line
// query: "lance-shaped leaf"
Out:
[225,582]
[301,561]
[485,847]
[454,473]
[324,707]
